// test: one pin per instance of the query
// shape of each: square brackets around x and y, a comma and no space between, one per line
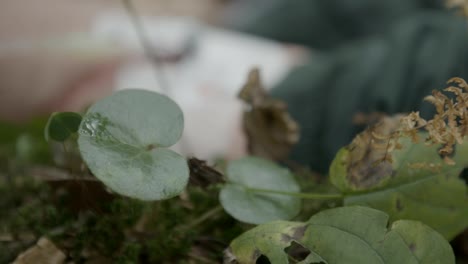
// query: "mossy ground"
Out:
[191,229]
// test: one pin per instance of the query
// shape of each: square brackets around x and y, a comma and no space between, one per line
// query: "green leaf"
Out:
[415,233]
[269,239]
[24,142]
[122,139]
[62,125]
[247,205]
[416,185]
[344,235]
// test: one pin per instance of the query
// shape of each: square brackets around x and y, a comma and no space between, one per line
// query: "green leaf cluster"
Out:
[344,235]
[124,140]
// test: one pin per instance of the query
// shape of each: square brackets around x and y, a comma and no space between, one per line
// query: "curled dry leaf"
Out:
[43,252]
[270,130]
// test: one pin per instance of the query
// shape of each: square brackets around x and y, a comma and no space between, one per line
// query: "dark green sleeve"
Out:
[325,24]
[391,73]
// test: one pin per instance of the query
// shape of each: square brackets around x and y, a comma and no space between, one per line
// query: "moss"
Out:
[122,231]
[131,252]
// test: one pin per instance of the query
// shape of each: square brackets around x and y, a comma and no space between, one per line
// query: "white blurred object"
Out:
[166,34]
[205,80]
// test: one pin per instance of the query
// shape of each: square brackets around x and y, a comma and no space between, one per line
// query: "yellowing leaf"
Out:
[417,185]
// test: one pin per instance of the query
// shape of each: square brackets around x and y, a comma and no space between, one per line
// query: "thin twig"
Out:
[202,218]
[147,47]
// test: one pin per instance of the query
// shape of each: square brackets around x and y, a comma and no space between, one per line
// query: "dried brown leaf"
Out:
[270,130]
[43,252]
[370,161]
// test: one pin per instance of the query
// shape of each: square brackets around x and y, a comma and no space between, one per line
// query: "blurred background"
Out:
[63,55]
[327,60]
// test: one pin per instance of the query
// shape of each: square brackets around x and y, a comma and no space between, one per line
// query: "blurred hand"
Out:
[48,62]
[213,128]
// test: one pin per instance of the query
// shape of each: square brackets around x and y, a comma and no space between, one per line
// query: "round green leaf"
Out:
[122,140]
[254,207]
[61,125]
[344,235]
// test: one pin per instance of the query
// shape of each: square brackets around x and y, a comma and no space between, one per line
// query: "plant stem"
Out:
[203,218]
[315,196]
[146,44]
[68,157]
